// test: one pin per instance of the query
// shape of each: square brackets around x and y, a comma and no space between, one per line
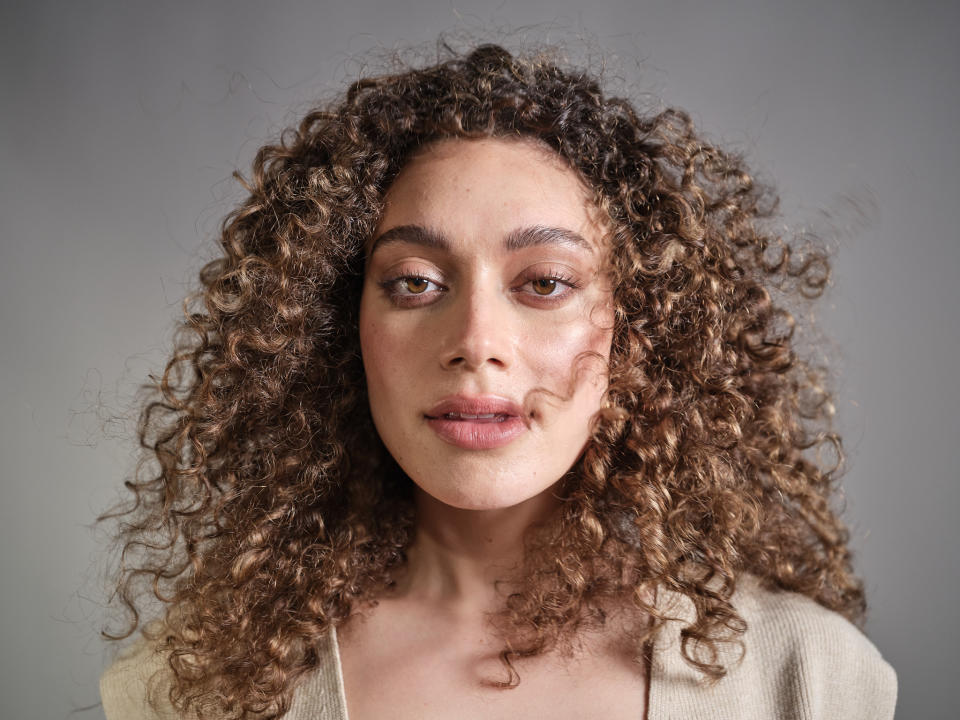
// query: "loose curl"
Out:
[267,510]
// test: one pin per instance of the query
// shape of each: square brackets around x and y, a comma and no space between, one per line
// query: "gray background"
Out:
[121,124]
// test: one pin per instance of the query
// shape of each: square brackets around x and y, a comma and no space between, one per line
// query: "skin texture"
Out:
[488,331]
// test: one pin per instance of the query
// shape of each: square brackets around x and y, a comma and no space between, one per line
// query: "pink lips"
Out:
[476,423]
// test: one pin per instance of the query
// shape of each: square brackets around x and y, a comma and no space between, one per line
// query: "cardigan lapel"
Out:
[321,695]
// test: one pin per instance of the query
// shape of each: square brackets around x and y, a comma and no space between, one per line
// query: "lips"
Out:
[475,407]
[477,423]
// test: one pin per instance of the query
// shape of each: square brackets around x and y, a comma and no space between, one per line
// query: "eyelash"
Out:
[413,300]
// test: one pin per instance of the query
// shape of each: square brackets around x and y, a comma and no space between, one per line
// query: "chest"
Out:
[439,672]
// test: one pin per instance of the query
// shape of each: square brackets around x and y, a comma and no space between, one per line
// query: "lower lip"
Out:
[478,434]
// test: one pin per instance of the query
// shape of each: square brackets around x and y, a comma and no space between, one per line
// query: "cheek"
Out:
[569,355]
[390,361]
[375,348]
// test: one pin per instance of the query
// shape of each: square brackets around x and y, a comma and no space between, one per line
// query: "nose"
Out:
[479,331]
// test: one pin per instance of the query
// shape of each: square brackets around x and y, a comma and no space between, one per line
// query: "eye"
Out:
[551,286]
[416,285]
[407,290]
[409,285]
[544,286]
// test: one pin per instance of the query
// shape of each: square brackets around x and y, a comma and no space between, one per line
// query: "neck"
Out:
[458,555]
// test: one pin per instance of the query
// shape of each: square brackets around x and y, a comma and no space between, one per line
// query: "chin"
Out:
[483,494]
[470,502]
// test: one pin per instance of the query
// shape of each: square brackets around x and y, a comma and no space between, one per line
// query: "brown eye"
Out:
[544,286]
[416,285]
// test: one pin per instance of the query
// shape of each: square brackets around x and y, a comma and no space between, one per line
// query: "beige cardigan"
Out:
[802,662]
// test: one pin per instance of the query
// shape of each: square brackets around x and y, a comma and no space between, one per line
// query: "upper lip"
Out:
[479,405]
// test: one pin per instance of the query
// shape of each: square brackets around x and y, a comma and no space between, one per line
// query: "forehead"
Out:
[490,185]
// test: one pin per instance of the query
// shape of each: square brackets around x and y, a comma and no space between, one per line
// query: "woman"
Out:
[488,409]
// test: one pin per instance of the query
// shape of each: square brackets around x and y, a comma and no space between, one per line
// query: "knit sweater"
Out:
[799,661]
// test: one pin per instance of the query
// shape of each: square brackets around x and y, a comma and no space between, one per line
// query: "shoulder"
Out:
[797,659]
[137,676]
[136,685]
[838,671]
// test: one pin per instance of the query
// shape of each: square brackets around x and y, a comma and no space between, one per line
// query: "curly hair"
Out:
[266,509]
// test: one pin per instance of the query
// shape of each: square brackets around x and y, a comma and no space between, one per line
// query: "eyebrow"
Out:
[517,239]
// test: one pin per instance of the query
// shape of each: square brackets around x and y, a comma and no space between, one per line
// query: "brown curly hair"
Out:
[266,509]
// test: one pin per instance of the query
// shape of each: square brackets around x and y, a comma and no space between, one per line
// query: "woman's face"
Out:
[485,321]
